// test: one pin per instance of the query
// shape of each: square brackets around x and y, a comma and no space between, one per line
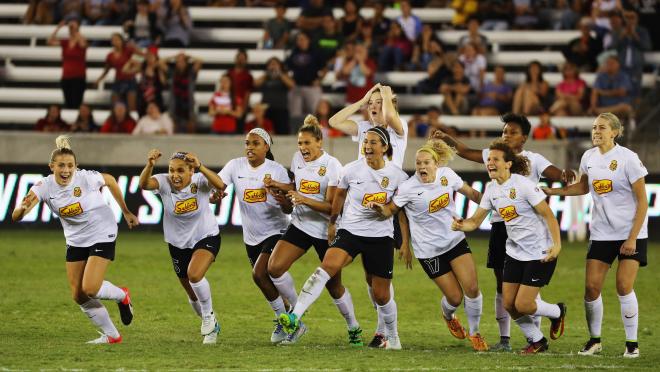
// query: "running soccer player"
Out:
[90,230]
[614,176]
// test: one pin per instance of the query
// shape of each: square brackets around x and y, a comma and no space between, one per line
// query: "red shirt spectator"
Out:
[74,63]
[117,59]
[52,122]
[241,79]
[119,121]
[225,108]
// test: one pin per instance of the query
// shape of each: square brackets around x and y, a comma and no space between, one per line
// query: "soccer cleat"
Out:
[212,337]
[478,342]
[209,323]
[126,308]
[294,336]
[278,334]
[501,346]
[455,327]
[632,350]
[355,336]
[536,347]
[592,347]
[378,341]
[393,343]
[289,322]
[105,339]
[557,325]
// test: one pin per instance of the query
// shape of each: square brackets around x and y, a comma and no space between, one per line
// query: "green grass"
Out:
[41,327]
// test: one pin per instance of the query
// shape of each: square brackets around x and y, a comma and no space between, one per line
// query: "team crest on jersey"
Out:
[77,192]
[71,210]
[443,181]
[613,165]
[193,188]
[602,186]
[512,193]
[322,171]
[438,203]
[267,177]
[310,187]
[185,206]
[384,182]
[508,213]
[379,197]
[254,195]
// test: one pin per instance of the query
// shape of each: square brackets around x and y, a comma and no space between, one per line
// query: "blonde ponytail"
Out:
[311,125]
[62,147]
[441,152]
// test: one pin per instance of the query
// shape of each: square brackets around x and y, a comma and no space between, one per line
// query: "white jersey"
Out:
[514,200]
[312,180]
[260,214]
[398,143]
[430,208]
[365,185]
[85,216]
[611,176]
[537,164]
[187,216]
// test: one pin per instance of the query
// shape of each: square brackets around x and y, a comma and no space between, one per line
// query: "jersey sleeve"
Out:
[203,183]
[455,181]
[635,169]
[94,179]
[282,175]
[227,173]
[334,172]
[540,164]
[402,196]
[532,194]
[344,178]
[484,155]
[583,163]
[40,189]
[486,203]
[162,183]
[361,127]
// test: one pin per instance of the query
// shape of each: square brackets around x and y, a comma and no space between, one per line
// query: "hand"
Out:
[457,224]
[366,97]
[192,160]
[405,254]
[568,176]
[548,191]
[386,91]
[217,196]
[279,197]
[296,198]
[332,232]
[153,156]
[629,247]
[131,220]
[379,208]
[552,254]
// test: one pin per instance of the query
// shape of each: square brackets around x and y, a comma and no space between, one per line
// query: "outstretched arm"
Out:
[544,211]
[462,149]
[579,188]
[471,223]
[28,202]
[111,183]
[147,182]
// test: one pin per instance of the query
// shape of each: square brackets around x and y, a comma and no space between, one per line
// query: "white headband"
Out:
[379,135]
[263,134]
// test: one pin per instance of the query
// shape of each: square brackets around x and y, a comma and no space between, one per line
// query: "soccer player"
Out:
[532,246]
[443,253]
[614,176]
[316,177]
[362,231]
[90,230]
[514,133]
[190,228]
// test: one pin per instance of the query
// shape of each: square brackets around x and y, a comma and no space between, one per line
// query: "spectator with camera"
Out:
[275,85]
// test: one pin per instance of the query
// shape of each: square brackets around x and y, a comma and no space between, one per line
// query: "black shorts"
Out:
[377,252]
[440,265]
[266,246]
[497,246]
[105,250]
[608,250]
[303,241]
[181,256]
[531,273]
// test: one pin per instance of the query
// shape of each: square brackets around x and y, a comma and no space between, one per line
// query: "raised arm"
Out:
[52,40]
[389,111]
[147,182]
[210,175]
[462,149]
[28,202]
[579,188]
[470,193]
[111,183]
[561,175]
[471,223]
[544,211]
[341,120]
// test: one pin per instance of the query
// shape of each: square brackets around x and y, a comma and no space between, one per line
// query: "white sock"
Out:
[345,307]
[502,316]
[629,315]
[389,315]
[380,327]
[98,315]
[285,286]
[448,309]
[545,309]
[202,290]
[594,312]
[537,318]
[473,308]
[311,291]
[278,306]
[526,324]
[195,306]
[109,291]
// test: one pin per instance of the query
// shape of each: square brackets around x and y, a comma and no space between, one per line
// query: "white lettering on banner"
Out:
[152,213]
[7,188]
[222,218]
[26,181]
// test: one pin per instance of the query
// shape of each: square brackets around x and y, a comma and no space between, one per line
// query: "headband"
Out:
[263,134]
[179,155]
[378,132]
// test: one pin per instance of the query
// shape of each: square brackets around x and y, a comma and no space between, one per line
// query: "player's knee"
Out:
[382,295]
[471,290]
[335,288]
[525,306]
[78,296]
[509,306]
[90,290]
[259,278]
[592,291]
[623,287]
[194,276]
[276,269]
[455,298]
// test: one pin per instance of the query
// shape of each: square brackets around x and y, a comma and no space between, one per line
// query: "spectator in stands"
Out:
[311,17]
[424,49]
[648,13]
[569,93]
[583,50]
[396,50]
[601,10]
[183,71]
[323,113]
[328,41]
[525,17]
[74,65]
[473,37]
[475,66]
[225,108]
[142,25]
[358,71]
[545,130]
[531,94]
[346,53]
[350,23]
[496,14]
[259,119]
[69,9]
[366,38]
[410,23]
[428,123]
[125,88]
[275,85]
[85,121]
[558,15]
[242,82]
[176,25]
[119,120]
[463,10]
[607,34]
[154,122]
[612,90]
[151,81]
[98,12]
[308,72]
[276,30]
[455,89]
[437,70]
[380,24]
[53,121]
[495,97]
[40,12]
[630,45]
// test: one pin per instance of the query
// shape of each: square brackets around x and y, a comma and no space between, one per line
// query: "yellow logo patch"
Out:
[438,203]
[322,171]
[254,195]
[71,210]
[508,213]
[185,206]
[384,182]
[613,165]
[310,187]
[443,181]
[379,197]
[193,188]
[267,177]
[602,186]
[512,193]
[77,192]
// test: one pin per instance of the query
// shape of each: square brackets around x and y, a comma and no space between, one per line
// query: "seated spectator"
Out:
[358,71]
[74,64]
[311,17]
[428,123]
[350,23]
[569,94]
[583,50]
[473,37]
[396,50]
[475,66]
[611,90]
[308,72]
[142,25]
[323,113]
[525,17]
[119,120]
[630,46]
[85,121]
[545,130]
[410,23]
[53,121]
[380,24]
[40,12]
[531,94]
[275,85]
[328,41]
[276,30]
[176,25]
[463,9]
[455,89]
[496,14]
[124,88]
[437,70]
[259,119]
[225,108]
[425,49]
[151,81]
[495,97]
[98,12]
[558,15]
[154,122]
[182,70]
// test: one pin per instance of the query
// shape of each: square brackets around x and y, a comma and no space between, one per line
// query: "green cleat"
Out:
[355,336]
[289,322]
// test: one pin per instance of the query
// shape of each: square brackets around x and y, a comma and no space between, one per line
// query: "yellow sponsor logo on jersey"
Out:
[508,213]
[438,203]
[310,187]
[185,206]
[379,197]
[71,210]
[77,192]
[254,195]
[602,186]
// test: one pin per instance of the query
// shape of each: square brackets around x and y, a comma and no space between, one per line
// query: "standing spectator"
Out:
[259,119]
[177,25]
[649,13]
[275,85]
[241,81]
[85,121]
[125,87]
[359,74]
[396,49]
[611,90]
[428,124]
[475,66]
[584,49]
[473,37]
[569,93]
[183,71]
[276,30]
[496,14]
[367,39]
[328,41]
[119,120]
[424,49]
[225,108]
[154,122]
[630,46]
[311,17]
[52,122]
[525,17]
[40,12]
[98,12]
[142,25]
[74,65]
[545,130]
[437,70]
[345,54]
[308,72]
[410,23]
[455,89]
[351,22]
[152,79]
[495,97]
[380,23]
[69,9]
[323,113]
[530,95]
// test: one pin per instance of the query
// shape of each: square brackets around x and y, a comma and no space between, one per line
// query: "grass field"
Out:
[41,328]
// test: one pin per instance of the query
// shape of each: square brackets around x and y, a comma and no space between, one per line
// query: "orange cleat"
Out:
[455,327]
[478,342]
